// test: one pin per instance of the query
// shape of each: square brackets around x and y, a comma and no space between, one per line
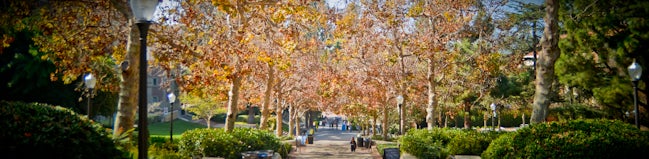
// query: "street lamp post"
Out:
[172,99]
[90,82]
[143,12]
[399,104]
[493,116]
[635,71]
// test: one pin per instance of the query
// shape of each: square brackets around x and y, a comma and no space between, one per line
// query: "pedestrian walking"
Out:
[353,144]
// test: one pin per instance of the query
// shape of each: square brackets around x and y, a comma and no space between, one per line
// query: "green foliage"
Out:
[468,96]
[582,138]
[442,142]
[426,144]
[218,143]
[204,107]
[44,131]
[500,147]
[26,77]
[160,147]
[601,39]
[470,142]
[576,111]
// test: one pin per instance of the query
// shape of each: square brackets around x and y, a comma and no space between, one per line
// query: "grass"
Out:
[180,126]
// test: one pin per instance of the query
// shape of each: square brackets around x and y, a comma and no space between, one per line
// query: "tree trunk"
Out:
[373,125]
[467,116]
[484,120]
[445,121]
[384,123]
[431,95]
[297,125]
[209,122]
[265,110]
[545,72]
[279,118]
[251,113]
[128,98]
[291,120]
[233,97]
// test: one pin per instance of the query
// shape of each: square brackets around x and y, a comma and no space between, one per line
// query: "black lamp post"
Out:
[635,71]
[172,99]
[90,82]
[399,104]
[143,12]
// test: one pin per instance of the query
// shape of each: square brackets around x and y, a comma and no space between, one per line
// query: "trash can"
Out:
[368,143]
[359,141]
[309,139]
[391,153]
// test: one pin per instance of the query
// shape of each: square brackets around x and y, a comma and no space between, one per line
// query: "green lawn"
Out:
[180,126]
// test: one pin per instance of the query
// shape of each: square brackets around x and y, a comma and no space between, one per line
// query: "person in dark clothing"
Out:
[353,144]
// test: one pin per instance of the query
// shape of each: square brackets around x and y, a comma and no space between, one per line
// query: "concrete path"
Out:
[330,143]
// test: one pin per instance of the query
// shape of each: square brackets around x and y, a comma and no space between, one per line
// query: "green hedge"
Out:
[426,144]
[32,130]
[583,138]
[442,142]
[218,143]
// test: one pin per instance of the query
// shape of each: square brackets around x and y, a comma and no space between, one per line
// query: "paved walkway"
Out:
[330,143]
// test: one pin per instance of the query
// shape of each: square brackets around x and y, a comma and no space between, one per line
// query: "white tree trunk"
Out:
[233,97]
[431,95]
[127,105]
[291,120]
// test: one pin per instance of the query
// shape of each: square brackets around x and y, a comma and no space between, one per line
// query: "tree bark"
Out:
[373,125]
[384,123]
[128,99]
[291,120]
[279,118]
[233,97]
[297,123]
[431,95]
[209,122]
[545,72]
[265,110]
[467,116]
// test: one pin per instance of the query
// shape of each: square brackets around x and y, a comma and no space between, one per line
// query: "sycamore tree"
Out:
[77,36]
[438,23]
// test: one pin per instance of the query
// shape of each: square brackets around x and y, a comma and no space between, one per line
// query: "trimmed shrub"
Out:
[33,130]
[441,142]
[583,138]
[218,143]
[471,142]
[426,144]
